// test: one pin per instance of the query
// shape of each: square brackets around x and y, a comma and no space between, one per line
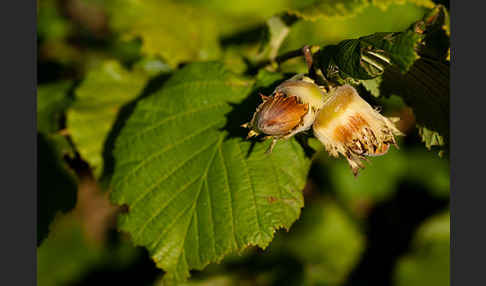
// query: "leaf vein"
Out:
[226,177]
[163,151]
[169,119]
[156,184]
[164,206]
[252,188]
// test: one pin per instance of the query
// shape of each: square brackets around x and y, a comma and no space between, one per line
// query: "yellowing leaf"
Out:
[328,9]
[384,4]
[98,100]
[174,31]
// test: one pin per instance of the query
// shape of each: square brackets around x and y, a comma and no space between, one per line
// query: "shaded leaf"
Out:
[220,280]
[436,44]
[326,240]
[52,101]
[56,185]
[201,193]
[98,100]
[68,254]
[175,31]
[367,57]
[425,88]
[372,85]
[428,263]
[416,165]
[51,25]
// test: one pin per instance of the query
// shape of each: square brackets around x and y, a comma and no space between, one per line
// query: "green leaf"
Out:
[340,9]
[51,25]
[326,240]
[425,88]
[384,4]
[367,57]
[68,254]
[428,263]
[430,138]
[314,9]
[177,32]
[372,85]
[98,99]
[52,101]
[416,165]
[56,185]
[219,280]
[436,26]
[195,189]
[325,31]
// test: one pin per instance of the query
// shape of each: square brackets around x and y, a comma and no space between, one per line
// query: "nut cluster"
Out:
[342,121]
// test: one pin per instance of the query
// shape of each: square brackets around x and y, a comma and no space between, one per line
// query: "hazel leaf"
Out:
[430,138]
[425,88]
[56,184]
[175,31]
[367,57]
[372,85]
[52,101]
[338,9]
[384,4]
[313,10]
[195,189]
[98,99]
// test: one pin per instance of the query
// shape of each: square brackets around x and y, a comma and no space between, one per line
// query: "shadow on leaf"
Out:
[125,112]
[242,113]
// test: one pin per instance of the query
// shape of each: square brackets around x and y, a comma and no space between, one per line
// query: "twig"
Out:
[280,59]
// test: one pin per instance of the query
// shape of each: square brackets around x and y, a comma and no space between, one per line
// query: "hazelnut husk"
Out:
[290,109]
[347,125]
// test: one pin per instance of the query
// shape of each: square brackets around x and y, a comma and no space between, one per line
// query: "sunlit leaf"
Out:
[175,31]
[97,102]
[312,10]
[430,138]
[384,4]
[195,189]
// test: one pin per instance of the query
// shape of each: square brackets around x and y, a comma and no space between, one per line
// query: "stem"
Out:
[304,51]
[279,59]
